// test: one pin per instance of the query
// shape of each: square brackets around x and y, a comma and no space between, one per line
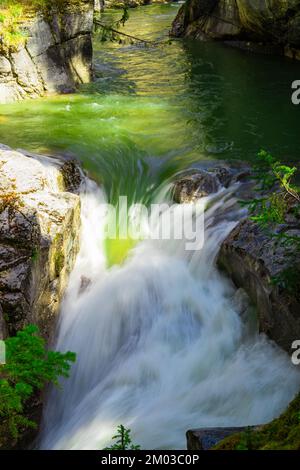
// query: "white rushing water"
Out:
[161,344]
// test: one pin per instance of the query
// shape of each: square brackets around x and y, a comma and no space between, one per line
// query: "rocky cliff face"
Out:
[260,25]
[56,56]
[254,261]
[39,237]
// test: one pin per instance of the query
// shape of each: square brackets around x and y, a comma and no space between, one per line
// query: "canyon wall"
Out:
[39,237]
[55,56]
[270,26]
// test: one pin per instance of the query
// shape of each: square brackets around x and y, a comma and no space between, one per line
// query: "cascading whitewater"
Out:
[161,345]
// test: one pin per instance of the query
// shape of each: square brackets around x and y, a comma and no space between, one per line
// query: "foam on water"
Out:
[161,346]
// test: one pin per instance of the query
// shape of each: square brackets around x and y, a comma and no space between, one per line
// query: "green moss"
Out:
[58,259]
[35,255]
[282,433]
[15,13]
[59,262]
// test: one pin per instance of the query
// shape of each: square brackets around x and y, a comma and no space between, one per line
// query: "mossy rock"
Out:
[282,433]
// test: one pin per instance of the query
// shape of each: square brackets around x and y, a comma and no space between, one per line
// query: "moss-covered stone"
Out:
[282,433]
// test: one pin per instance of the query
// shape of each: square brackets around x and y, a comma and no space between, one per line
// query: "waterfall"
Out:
[161,342]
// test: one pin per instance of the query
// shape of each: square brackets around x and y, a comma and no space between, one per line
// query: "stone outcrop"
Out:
[195,184]
[271,26]
[55,57]
[3,332]
[39,237]
[206,438]
[269,271]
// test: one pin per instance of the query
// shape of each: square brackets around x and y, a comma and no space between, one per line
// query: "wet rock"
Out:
[260,265]
[223,174]
[85,282]
[266,26]
[200,183]
[206,438]
[192,187]
[39,236]
[3,332]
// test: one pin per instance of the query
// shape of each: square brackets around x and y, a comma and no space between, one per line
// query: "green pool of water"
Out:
[155,110]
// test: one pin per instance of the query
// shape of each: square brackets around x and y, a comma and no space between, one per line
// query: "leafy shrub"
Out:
[274,182]
[29,367]
[248,440]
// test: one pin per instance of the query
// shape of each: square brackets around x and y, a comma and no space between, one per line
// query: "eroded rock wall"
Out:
[271,26]
[56,56]
[39,237]
[260,264]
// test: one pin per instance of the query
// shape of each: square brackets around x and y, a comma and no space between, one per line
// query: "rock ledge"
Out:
[39,237]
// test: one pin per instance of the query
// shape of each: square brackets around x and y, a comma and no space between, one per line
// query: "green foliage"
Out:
[279,197]
[13,12]
[29,367]
[269,210]
[123,440]
[35,255]
[11,409]
[288,279]
[108,30]
[124,17]
[247,440]
[275,178]
[59,262]
[10,32]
